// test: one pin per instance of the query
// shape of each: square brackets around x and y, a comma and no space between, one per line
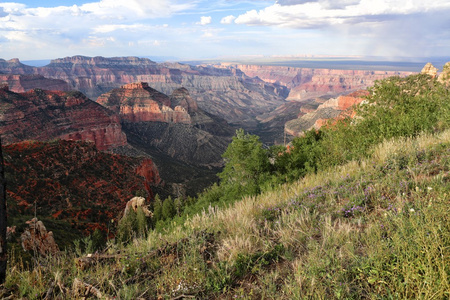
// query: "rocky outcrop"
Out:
[173,125]
[36,238]
[444,77]
[134,204]
[305,83]
[73,183]
[45,115]
[137,102]
[429,69]
[334,108]
[24,83]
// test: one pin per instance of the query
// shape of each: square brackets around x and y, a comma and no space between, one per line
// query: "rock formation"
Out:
[444,77]
[45,115]
[228,93]
[137,102]
[334,108]
[305,83]
[429,69]
[134,204]
[36,238]
[24,83]
[172,125]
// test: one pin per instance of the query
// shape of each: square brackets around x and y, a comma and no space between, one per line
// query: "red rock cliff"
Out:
[45,115]
[137,102]
[24,83]
[308,83]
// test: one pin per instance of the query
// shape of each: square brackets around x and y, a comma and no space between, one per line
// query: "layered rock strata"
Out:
[228,93]
[306,83]
[334,108]
[173,125]
[24,83]
[45,115]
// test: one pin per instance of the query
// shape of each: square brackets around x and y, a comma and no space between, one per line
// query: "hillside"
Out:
[375,227]
[354,210]
[72,184]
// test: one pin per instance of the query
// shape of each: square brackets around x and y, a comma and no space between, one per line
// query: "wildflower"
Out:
[411,210]
[429,188]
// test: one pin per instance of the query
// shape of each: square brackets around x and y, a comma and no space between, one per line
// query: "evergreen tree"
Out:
[157,209]
[168,209]
[247,165]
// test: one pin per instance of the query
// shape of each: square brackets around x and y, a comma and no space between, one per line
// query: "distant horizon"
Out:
[354,62]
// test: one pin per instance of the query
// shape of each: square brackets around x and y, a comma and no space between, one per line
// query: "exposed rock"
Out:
[45,115]
[36,238]
[24,83]
[173,125]
[305,83]
[228,93]
[137,102]
[335,108]
[429,69]
[134,203]
[73,182]
[444,77]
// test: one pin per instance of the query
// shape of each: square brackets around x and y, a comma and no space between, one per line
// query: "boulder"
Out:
[36,238]
[430,70]
[134,203]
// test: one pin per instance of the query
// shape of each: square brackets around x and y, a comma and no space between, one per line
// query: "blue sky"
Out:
[200,29]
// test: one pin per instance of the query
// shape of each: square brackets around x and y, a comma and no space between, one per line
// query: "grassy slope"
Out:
[379,228]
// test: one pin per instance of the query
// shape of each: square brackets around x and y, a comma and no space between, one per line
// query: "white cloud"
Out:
[204,20]
[227,19]
[311,14]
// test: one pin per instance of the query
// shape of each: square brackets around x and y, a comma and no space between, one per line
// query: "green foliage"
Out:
[132,225]
[247,165]
[157,209]
[168,209]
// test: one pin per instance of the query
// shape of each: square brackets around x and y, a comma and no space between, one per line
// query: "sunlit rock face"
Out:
[334,109]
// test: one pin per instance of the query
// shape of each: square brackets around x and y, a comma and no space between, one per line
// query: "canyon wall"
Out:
[173,125]
[24,83]
[306,83]
[334,108]
[228,93]
[46,115]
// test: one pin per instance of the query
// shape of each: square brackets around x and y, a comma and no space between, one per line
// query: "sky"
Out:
[202,29]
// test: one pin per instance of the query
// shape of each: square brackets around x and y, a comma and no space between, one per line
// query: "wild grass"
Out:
[377,228]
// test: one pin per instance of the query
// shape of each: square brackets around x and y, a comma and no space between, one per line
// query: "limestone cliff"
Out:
[137,102]
[45,115]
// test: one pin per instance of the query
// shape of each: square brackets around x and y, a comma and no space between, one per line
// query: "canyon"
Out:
[307,83]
